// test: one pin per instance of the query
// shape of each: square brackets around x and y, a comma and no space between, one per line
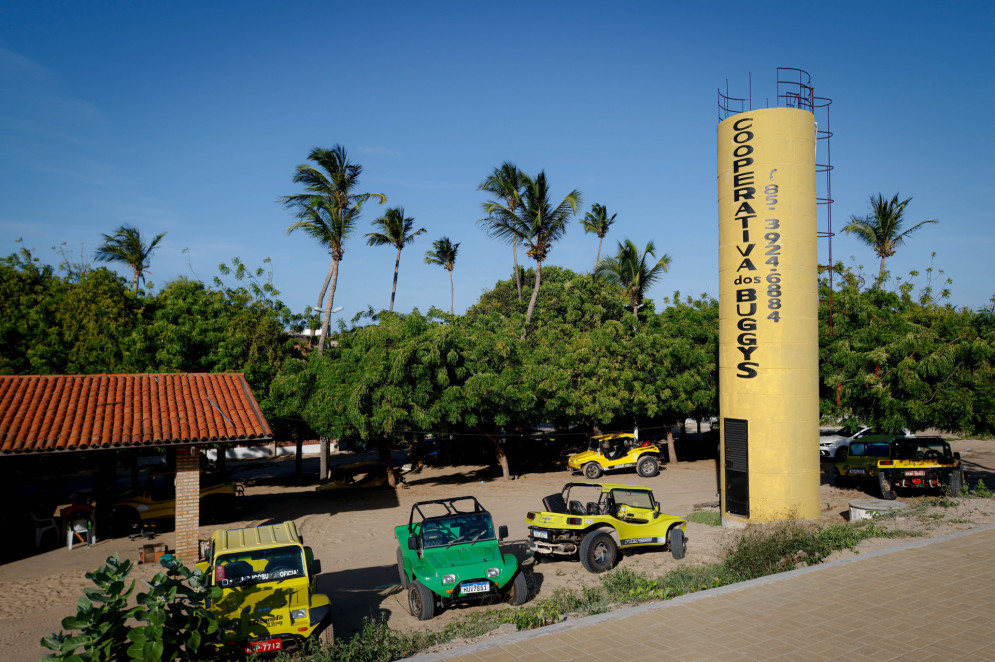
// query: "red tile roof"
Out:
[46,414]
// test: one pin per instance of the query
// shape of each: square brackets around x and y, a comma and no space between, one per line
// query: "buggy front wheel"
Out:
[401,574]
[421,601]
[519,592]
[676,538]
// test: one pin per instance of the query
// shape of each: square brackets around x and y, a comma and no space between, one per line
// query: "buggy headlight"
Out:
[493,572]
[298,613]
[448,579]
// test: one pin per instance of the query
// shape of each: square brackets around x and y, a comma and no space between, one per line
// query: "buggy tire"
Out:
[519,592]
[598,552]
[887,490]
[421,601]
[593,470]
[647,466]
[401,575]
[676,539]
[956,481]
[328,634]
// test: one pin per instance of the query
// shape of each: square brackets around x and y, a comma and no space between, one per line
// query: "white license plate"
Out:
[540,534]
[267,646]
[476,587]
[917,472]
[857,472]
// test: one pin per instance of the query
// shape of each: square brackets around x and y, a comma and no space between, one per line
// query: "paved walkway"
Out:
[924,600]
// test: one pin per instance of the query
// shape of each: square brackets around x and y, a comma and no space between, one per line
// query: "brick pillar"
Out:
[187,504]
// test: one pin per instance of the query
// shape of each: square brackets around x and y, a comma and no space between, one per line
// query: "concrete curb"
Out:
[684,599]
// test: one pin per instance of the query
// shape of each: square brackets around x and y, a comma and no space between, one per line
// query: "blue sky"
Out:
[189,118]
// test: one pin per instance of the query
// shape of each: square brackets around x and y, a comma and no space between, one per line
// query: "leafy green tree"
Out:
[126,246]
[882,228]
[491,388]
[397,371]
[536,222]
[893,362]
[51,326]
[443,253]
[327,212]
[687,369]
[395,231]
[598,222]
[505,183]
[572,300]
[632,271]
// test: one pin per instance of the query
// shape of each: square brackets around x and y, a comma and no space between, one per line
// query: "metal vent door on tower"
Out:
[737,464]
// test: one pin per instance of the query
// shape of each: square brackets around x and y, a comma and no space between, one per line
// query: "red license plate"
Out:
[915,473]
[266,646]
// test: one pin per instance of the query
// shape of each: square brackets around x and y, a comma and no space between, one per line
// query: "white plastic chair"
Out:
[43,524]
[80,530]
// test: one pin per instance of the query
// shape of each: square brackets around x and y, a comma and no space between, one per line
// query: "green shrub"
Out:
[538,615]
[101,614]
[624,585]
[172,618]
[981,490]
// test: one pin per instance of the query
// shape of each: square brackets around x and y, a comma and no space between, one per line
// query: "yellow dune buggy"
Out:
[619,450]
[597,520]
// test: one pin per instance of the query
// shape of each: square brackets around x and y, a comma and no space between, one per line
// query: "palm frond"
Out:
[396,229]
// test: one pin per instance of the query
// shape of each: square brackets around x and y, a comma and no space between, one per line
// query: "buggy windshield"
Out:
[634,498]
[259,566]
[918,449]
[455,529]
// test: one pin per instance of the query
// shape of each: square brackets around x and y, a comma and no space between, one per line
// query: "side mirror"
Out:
[502,532]
[315,567]
[843,452]
[412,542]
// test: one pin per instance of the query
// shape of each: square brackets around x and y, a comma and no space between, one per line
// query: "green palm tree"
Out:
[882,228]
[505,183]
[533,220]
[597,221]
[126,246]
[443,253]
[396,232]
[633,272]
[327,212]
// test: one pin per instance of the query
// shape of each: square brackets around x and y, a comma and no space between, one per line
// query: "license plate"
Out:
[917,472]
[265,646]
[540,534]
[476,587]
[857,472]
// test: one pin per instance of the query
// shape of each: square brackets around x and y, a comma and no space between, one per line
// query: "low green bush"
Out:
[709,517]
[171,619]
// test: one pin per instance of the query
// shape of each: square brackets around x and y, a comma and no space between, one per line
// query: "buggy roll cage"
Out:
[448,504]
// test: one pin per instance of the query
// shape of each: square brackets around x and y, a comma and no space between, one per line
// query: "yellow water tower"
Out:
[768,316]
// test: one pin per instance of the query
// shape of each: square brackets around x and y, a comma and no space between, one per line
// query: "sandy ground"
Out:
[352,534]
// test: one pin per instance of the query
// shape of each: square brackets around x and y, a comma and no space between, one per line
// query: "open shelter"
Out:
[49,415]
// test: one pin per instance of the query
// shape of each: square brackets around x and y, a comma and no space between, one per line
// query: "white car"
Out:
[831,441]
